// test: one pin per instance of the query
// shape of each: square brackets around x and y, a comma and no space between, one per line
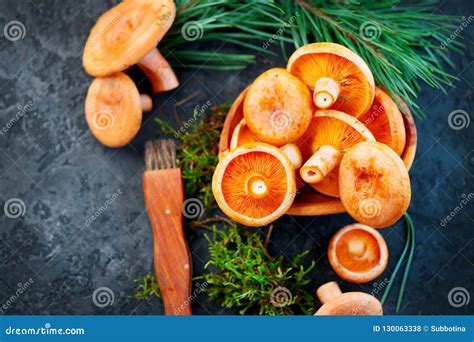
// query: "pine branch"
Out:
[403,45]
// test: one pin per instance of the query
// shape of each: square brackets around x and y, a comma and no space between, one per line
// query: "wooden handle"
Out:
[163,192]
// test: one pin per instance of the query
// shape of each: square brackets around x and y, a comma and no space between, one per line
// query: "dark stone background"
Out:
[50,161]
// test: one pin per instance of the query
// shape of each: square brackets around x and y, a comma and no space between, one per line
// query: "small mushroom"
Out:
[358,253]
[114,109]
[374,184]
[339,78]
[128,34]
[336,303]
[329,135]
[278,107]
[254,184]
[385,121]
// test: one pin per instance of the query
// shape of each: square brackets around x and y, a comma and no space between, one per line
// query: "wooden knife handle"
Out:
[163,192]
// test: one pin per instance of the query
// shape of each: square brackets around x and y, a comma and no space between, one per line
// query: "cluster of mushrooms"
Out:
[320,138]
[126,35]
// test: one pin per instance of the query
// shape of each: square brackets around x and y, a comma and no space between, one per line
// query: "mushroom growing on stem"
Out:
[128,34]
[336,303]
[329,135]
[358,253]
[114,109]
[374,184]
[339,78]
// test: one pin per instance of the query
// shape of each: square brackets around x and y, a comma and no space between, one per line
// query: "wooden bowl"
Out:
[310,202]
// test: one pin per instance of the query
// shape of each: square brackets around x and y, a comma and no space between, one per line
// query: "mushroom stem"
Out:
[318,166]
[326,91]
[293,153]
[158,70]
[256,186]
[357,247]
[328,292]
[146,103]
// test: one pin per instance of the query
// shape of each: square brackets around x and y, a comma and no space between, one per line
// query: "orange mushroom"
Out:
[339,78]
[114,109]
[128,34]
[385,121]
[278,107]
[374,184]
[254,184]
[336,303]
[329,135]
[358,253]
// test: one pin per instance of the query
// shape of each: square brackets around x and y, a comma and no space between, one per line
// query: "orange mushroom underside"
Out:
[358,251]
[254,184]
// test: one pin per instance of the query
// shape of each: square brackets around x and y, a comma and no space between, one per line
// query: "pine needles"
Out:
[402,44]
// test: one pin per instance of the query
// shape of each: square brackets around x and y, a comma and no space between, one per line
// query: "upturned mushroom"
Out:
[277,107]
[128,34]
[254,184]
[329,135]
[374,184]
[114,109]
[338,77]
[336,303]
[358,253]
[385,121]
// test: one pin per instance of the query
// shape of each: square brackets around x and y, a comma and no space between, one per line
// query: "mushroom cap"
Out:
[242,135]
[314,61]
[113,110]
[254,184]
[125,34]
[385,121]
[352,304]
[278,107]
[358,253]
[374,184]
[336,129]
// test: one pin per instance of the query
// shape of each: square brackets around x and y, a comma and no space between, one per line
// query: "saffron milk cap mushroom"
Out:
[336,303]
[338,77]
[278,107]
[374,184]
[128,34]
[358,253]
[114,109]
[254,184]
[329,135]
